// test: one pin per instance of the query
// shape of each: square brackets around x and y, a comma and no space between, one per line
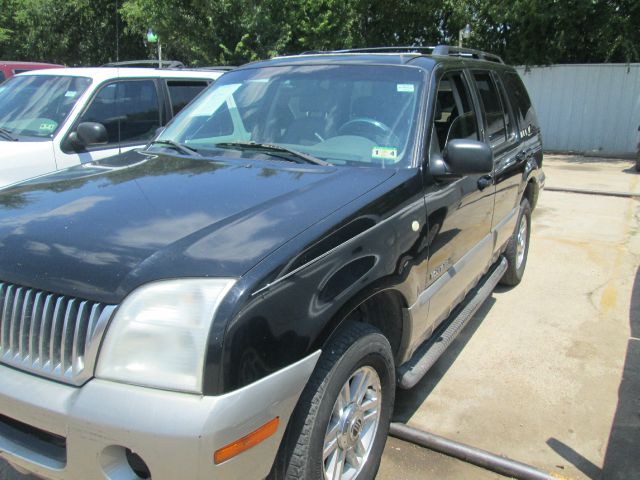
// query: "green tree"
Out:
[555,31]
[207,32]
[72,32]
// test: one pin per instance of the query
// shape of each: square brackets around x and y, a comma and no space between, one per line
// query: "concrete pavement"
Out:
[547,373]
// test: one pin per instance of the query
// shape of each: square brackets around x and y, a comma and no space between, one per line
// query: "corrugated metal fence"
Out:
[587,108]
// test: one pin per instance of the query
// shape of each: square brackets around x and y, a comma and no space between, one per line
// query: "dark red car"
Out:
[9,69]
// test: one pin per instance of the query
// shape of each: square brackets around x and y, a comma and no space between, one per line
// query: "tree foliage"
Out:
[207,32]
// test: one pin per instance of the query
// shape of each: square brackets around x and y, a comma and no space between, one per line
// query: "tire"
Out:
[356,352]
[518,247]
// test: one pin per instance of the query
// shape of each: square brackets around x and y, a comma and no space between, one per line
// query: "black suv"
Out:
[240,298]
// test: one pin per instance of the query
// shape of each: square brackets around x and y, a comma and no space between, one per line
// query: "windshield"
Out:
[36,105]
[342,114]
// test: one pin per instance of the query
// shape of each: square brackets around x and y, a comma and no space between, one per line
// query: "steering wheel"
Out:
[366,127]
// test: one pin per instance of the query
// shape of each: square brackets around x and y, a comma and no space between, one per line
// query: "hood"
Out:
[99,230]
[25,159]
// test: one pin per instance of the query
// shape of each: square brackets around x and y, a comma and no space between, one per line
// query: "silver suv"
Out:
[54,119]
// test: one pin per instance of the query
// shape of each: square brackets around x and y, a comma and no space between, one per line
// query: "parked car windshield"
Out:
[36,105]
[343,114]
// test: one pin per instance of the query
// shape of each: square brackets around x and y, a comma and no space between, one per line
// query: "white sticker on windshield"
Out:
[405,87]
[71,94]
[47,126]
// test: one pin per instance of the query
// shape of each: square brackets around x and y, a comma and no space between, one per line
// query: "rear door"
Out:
[459,210]
[501,134]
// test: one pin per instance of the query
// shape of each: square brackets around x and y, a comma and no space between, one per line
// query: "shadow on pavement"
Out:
[621,461]
[591,470]
[409,401]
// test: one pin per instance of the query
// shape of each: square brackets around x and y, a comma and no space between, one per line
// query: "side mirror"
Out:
[88,134]
[463,157]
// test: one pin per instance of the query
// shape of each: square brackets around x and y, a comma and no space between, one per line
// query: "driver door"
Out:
[459,209]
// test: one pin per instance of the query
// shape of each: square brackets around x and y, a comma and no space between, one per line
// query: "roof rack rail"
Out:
[465,52]
[217,67]
[420,50]
[445,50]
[147,63]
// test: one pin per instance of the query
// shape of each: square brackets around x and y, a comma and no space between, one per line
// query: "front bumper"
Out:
[175,434]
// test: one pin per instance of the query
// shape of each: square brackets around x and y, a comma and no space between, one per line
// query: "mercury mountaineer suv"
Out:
[240,298]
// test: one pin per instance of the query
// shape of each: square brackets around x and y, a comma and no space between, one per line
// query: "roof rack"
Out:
[445,50]
[465,52]
[147,63]
[225,68]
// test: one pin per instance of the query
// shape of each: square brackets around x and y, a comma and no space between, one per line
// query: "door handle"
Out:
[484,182]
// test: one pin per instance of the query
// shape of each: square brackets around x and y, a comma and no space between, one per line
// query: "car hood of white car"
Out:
[22,159]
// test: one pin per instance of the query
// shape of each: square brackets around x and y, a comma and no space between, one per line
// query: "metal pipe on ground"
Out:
[481,458]
[593,192]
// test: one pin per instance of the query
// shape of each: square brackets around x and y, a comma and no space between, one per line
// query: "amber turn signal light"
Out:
[245,443]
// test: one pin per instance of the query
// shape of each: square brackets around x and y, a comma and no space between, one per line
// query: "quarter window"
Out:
[182,92]
[129,111]
[519,99]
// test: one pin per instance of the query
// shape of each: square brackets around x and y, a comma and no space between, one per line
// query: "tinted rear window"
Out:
[519,98]
[182,92]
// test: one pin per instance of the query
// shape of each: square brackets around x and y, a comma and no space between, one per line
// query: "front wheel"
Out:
[340,425]
[518,247]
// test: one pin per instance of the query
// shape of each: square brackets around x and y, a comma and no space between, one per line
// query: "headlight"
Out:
[159,334]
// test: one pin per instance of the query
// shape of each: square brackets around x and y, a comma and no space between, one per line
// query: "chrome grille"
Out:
[50,335]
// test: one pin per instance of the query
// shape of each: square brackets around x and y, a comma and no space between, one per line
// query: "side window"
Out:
[2,77]
[182,92]
[128,109]
[509,118]
[494,113]
[519,100]
[454,114]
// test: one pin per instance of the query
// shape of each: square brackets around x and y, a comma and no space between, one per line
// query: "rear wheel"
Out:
[339,428]
[518,247]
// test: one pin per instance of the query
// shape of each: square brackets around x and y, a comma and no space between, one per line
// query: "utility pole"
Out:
[464,33]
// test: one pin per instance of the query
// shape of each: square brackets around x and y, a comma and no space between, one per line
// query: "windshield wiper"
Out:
[269,148]
[176,146]
[6,134]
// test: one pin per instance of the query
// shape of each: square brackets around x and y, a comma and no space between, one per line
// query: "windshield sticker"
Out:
[71,94]
[405,87]
[384,153]
[47,126]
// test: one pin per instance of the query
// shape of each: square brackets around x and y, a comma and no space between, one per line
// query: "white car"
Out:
[54,119]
